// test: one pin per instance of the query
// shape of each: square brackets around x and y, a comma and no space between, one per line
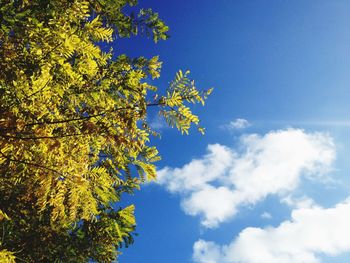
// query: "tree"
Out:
[73,126]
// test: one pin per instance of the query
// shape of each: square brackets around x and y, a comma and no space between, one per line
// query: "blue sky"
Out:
[276,189]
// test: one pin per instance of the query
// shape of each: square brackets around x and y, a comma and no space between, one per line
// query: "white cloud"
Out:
[206,252]
[274,163]
[215,186]
[199,172]
[300,202]
[158,123]
[310,232]
[239,124]
[266,215]
[216,204]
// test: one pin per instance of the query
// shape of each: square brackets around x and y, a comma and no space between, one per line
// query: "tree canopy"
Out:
[74,133]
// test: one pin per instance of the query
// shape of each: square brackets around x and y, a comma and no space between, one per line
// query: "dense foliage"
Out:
[73,126]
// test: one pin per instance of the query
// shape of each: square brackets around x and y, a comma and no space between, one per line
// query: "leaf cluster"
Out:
[73,126]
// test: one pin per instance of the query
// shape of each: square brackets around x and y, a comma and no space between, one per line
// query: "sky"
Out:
[270,180]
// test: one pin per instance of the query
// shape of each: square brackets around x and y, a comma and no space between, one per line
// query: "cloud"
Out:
[310,232]
[300,202]
[158,123]
[199,172]
[266,215]
[206,252]
[216,185]
[215,204]
[239,124]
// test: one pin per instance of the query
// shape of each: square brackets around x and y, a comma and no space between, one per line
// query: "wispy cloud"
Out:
[158,123]
[238,124]
[310,232]
[266,215]
[299,202]
[305,123]
[206,252]
[216,185]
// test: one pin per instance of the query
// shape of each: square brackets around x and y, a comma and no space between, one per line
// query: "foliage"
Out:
[73,126]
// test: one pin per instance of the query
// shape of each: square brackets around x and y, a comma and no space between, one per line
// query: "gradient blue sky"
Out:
[279,65]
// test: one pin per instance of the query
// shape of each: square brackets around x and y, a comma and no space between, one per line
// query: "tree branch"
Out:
[43,137]
[31,164]
[161,102]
